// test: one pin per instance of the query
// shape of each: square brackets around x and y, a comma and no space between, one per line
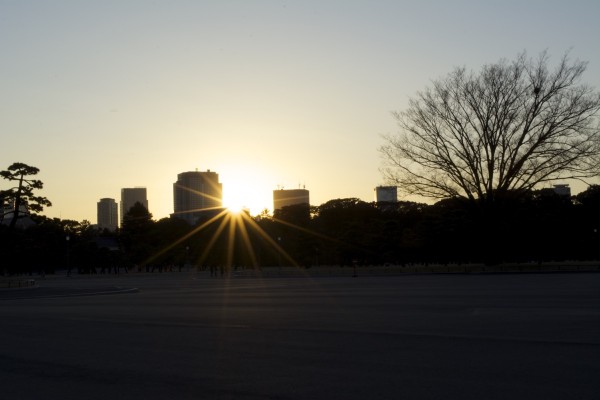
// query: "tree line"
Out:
[539,227]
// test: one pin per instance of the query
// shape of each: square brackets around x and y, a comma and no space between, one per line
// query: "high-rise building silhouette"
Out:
[130,196]
[289,197]
[107,214]
[386,194]
[195,194]
[562,190]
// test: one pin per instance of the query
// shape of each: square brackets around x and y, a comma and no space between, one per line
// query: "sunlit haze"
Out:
[111,94]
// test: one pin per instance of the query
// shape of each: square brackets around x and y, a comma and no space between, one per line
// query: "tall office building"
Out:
[107,214]
[195,193]
[562,190]
[289,197]
[386,194]
[130,196]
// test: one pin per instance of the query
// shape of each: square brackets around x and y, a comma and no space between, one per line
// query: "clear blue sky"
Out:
[107,94]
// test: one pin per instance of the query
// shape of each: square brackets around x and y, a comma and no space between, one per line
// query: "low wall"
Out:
[12,283]
[419,269]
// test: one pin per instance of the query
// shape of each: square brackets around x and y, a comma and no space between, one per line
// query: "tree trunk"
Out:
[16,206]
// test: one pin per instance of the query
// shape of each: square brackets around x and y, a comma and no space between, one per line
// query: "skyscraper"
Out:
[130,196]
[195,193]
[289,197]
[107,214]
[386,194]
[562,190]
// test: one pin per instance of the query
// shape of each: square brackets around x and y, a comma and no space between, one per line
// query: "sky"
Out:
[104,95]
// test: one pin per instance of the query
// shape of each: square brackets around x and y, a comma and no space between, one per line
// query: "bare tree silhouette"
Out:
[509,127]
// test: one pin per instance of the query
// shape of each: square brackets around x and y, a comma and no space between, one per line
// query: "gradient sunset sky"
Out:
[102,95]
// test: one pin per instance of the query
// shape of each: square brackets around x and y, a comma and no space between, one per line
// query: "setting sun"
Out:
[236,209]
[241,193]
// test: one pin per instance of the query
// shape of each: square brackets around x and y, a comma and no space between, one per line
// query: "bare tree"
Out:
[508,128]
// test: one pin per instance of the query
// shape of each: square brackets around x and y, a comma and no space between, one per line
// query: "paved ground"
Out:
[187,336]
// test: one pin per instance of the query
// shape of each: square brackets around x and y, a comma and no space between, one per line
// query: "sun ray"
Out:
[246,238]
[270,240]
[305,230]
[230,240]
[185,237]
[213,239]
[320,235]
[246,227]
[201,194]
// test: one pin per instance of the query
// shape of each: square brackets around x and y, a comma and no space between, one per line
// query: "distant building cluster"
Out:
[196,193]
[107,214]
